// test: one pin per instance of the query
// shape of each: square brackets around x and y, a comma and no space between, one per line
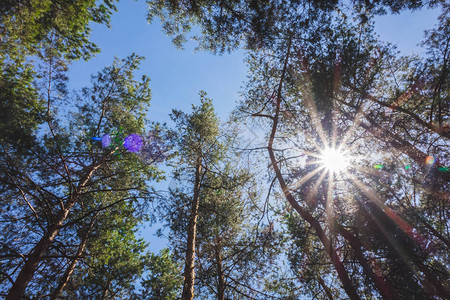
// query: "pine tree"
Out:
[219,193]
[65,178]
[320,80]
[198,149]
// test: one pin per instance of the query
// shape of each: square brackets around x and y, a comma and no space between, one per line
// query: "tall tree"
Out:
[322,81]
[199,150]
[65,176]
[232,253]
[236,250]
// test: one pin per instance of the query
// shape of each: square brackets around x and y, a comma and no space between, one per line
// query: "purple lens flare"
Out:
[133,143]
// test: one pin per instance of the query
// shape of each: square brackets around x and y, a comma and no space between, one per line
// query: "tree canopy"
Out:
[344,195]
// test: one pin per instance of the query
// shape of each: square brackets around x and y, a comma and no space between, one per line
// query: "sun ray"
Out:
[393,241]
[401,223]
[299,182]
[315,188]
[308,99]
[355,123]
[311,154]
[329,202]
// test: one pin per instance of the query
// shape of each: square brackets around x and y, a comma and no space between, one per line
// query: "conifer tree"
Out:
[66,178]
[199,150]
[217,191]
[321,80]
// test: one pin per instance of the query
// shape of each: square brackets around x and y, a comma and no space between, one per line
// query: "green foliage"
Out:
[49,173]
[316,72]
[198,131]
[115,258]
[163,280]
[315,76]
[123,99]
[28,25]
[258,24]
[20,107]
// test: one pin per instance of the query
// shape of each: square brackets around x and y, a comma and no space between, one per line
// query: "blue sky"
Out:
[178,75]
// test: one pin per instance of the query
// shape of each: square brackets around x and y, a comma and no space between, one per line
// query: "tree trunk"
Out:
[325,287]
[65,278]
[105,292]
[34,258]
[189,268]
[380,281]
[220,276]
[304,214]
[27,272]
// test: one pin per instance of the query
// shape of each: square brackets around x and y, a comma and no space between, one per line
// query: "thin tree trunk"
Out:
[380,281]
[410,257]
[325,287]
[398,143]
[34,258]
[189,268]
[105,292]
[220,276]
[65,278]
[304,214]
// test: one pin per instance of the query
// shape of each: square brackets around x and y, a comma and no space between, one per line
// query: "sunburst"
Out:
[334,160]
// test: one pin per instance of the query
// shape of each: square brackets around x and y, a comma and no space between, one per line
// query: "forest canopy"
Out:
[344,194]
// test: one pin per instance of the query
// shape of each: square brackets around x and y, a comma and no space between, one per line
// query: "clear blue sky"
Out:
[178,75]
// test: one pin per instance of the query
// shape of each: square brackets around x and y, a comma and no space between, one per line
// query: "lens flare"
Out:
[334,160]
[429,160]
[443,169]
[133,142]
[106,141]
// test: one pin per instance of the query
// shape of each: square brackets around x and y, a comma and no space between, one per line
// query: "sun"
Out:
[334,160]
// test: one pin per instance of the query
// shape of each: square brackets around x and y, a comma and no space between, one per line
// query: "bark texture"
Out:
[36,255]
[189,268]
[66,276]
[220,275]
